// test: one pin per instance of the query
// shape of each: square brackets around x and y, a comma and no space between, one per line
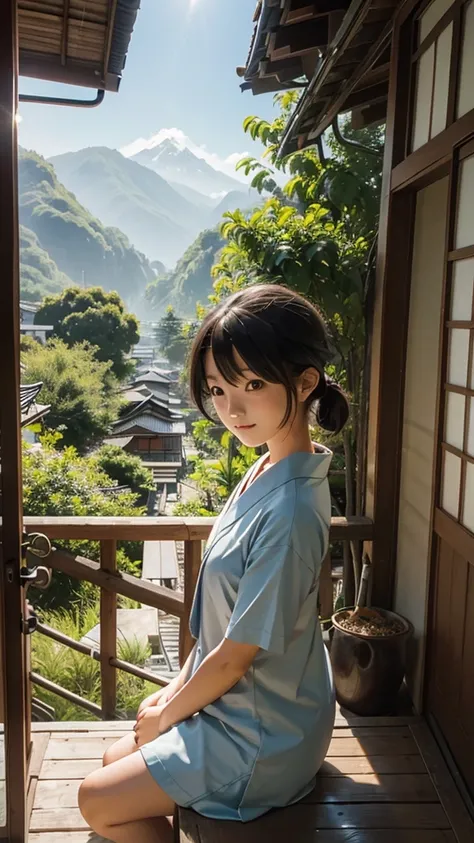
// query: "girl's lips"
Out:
[244,426]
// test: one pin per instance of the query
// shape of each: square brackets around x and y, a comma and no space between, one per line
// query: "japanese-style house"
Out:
[385,778]
[409,64]
[151,428]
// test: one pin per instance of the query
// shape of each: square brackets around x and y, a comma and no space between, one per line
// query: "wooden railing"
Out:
[104,574]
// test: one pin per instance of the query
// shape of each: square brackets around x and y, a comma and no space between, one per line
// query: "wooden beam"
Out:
[74,72]
[291,66]
[192,565]
[64,34]
[298,39]
[144,592]
[108,632]
[367,96]
[297,11]
[369,115]
[388,341]
[12,604]
[47,685]
[162,529]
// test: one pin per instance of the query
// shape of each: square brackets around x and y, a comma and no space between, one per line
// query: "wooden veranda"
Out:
[384,779]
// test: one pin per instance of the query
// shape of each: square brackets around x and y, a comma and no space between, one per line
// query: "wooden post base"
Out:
[278,826]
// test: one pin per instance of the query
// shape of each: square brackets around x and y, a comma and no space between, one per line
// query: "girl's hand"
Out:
[149,724]
[159,697]
[152,700]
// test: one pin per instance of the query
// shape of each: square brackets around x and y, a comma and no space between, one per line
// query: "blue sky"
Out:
[180,73]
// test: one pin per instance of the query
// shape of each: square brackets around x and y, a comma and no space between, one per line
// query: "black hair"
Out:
[279,334]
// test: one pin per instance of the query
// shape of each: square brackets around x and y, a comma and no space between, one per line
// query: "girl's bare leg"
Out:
[120,749]
[123,803]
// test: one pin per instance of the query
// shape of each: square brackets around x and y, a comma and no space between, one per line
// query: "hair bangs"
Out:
[255,342]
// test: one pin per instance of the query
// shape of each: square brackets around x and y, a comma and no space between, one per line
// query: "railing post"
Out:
[108,633]
[326,601]
[192,563]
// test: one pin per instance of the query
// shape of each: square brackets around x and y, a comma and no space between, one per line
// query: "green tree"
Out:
[174,336]
[96,317]
[81,390]
[316,235]
[65,483]
[126,470]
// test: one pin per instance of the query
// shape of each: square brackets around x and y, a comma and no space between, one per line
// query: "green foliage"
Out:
[191,509]
[81,390]
[317,235]
[39,275]
[64,483]
[206,444]
[190,281]
[81,674]
[126,470]
[96,317]
[174,337]
[70,243]
[217,480]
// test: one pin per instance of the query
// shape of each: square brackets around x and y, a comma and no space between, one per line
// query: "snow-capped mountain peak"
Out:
[177,158]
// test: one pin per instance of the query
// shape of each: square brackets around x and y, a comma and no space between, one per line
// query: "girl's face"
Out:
[253,409]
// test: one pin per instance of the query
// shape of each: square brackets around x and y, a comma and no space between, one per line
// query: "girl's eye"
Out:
[216,391]
[253,386]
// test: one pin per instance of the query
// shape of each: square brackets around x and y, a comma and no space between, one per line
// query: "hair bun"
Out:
[332,410]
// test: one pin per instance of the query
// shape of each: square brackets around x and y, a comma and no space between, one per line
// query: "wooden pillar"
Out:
[192,563]
[389,334]
[11,592]
[108,633]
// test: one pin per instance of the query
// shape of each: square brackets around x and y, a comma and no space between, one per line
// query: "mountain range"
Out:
[61,242]
[125,220]
[160,197]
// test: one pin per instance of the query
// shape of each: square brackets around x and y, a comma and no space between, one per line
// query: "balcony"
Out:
[174,457]
[384,777]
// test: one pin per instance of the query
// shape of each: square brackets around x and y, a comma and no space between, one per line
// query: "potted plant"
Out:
[368,655]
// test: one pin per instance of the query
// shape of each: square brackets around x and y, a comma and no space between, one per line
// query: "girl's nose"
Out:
[234,409]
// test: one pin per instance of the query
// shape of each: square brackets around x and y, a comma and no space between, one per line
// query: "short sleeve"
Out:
[271,592]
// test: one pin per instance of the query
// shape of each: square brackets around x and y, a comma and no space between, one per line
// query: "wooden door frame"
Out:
[402,177]
[11,596]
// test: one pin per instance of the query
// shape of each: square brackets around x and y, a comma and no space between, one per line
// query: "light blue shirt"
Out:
[261,744]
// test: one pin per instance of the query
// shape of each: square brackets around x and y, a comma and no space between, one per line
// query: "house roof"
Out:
[350,70]
[31,412]
[148,423]
[149,406]
[287,41]
[152,376]
[80,42]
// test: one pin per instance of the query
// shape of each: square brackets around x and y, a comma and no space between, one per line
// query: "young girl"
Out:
[247,723]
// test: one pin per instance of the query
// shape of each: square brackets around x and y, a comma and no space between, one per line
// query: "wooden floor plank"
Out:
[56,794]
[69,819]
[86,837]
[375,816]
[75,768]
[396,764]
[373,788]
[87,726]
[80,747]
[104,733]
[328,836]
[450,798]
[373,732]
[372,746]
